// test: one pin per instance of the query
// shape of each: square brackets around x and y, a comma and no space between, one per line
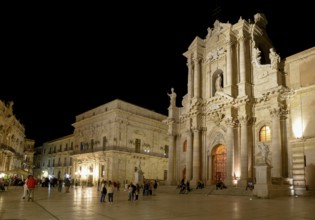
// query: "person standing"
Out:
[25,188]
[67,184]
[103,191]
[110,192]
[59,185]
[31,183]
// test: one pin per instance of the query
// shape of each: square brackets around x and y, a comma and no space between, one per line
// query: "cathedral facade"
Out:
[247,115]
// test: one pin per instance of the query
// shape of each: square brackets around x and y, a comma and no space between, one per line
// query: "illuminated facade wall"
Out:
[301,78]
[53,158]
[109,142]
[115,139]
[16,151]
[242,99]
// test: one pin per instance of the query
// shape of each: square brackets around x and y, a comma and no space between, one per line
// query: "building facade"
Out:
[114,142]
[53,158]
[16,151]
[247,114]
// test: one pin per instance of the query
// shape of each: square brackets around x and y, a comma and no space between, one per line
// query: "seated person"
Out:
[220,185]
[250,185]
[200,185]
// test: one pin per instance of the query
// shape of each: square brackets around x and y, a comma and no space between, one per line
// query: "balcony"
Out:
[116,148]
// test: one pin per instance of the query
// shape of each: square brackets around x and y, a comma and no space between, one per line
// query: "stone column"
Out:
[242,67]
[244,151]
[229,151]
[196,157]
[171,154]
[196,78]
[276,144]
[242,59]
[228,77]
[190,79]
[189,156]
[285,149]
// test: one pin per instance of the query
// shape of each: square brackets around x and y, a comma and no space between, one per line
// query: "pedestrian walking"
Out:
[31,184]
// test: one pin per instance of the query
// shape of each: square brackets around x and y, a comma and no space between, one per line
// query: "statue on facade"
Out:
[256,55]
[264,152]
[10,108]
[218,83]
[274,58]
[172,97]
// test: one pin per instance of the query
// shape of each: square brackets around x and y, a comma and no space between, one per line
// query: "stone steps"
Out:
[209,190]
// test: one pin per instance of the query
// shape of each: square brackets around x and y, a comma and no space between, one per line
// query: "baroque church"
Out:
[248,116]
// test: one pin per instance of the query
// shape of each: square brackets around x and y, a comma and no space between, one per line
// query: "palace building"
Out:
[16,151]
[115,141]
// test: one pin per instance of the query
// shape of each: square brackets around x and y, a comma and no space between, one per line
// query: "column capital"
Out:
[279,112]
[246,120]
[196,129]
[188,131]
[230,122]
[275,112]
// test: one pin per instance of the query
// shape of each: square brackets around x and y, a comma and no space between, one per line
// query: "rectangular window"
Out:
[137,145]
[92,144]
[104,143]
[166,151]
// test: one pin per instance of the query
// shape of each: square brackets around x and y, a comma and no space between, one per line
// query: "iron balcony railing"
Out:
[116,148]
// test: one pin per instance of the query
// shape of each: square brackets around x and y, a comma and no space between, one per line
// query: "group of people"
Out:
[184,187]
[148,189]
[66,183]
[107,188]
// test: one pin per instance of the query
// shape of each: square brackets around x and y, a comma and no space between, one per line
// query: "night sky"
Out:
[60,60]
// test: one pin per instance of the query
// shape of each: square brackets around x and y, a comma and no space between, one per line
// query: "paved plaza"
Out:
[83,203]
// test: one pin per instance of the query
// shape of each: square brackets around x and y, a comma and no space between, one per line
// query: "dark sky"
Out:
[59,61]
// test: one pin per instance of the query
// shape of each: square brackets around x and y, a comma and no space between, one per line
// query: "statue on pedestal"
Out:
[138,174]
[264,152]
[274,58]
[172,97]
[218,83]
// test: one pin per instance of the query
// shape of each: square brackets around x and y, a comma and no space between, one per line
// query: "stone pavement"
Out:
[83,203]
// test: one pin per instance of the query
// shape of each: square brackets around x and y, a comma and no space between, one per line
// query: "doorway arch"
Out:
[218,163]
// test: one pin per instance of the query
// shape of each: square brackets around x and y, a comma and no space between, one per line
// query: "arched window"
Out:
[265,134]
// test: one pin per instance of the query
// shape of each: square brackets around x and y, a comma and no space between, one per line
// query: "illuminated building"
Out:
[16,151]
[110,142]
[247,115]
